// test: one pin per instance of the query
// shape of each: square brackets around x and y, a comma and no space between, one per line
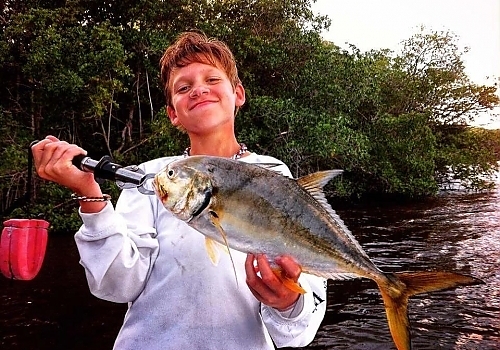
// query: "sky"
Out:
[384,24]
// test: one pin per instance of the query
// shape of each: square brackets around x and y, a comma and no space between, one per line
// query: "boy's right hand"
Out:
[53,162]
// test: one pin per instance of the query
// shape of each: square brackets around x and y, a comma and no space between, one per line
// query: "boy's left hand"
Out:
[267,287]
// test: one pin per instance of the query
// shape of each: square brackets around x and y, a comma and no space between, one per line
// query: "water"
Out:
[457,232]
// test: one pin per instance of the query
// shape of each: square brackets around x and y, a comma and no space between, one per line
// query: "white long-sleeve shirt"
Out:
[140,254]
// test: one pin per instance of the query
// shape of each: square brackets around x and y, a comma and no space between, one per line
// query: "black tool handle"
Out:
[107,170]
[77,161]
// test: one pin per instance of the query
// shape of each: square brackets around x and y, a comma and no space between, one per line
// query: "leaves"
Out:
[87,72]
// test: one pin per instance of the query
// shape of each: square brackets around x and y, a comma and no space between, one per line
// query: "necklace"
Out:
[237,155]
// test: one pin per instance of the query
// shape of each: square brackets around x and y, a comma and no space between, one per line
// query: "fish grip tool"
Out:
[125,177]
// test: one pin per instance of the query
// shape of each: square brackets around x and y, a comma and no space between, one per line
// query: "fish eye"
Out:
[170,173]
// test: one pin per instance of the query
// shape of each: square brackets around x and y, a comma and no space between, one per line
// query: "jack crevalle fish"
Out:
[256,210]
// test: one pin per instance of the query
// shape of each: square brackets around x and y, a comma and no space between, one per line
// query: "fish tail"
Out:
[399,287]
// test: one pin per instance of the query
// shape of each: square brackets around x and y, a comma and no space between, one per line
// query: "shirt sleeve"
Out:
[297,327]
[118,247]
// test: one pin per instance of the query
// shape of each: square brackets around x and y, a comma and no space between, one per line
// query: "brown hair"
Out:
[191,47]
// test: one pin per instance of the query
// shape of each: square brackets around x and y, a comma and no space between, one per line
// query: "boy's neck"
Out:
[214,145]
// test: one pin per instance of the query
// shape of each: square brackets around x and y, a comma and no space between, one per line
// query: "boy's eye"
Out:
[213,80]
[183,88]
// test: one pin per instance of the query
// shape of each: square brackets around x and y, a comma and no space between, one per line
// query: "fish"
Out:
[253,209]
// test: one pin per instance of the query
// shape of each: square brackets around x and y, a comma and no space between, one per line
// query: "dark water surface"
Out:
[458,232]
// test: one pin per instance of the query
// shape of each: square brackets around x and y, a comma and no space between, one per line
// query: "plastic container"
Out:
[22,248]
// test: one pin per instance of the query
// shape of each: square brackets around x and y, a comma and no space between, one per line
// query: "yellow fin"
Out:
[216,223]
[314,182]
[287,281]
[400,286]
[213,252]
[222,247]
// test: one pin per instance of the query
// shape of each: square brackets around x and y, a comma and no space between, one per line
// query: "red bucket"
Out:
[22,248]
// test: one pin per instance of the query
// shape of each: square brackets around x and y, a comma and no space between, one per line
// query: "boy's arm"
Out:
[118,248]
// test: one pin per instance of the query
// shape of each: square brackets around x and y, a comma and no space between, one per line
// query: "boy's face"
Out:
[203,98]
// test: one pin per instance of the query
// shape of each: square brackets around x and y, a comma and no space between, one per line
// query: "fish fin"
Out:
[223,247]
[212,249]
[399,287]
[287,281]
[341,276]
[316,181]
[216,222]
[313,184]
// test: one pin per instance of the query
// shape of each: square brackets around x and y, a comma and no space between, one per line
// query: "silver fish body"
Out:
[262,211]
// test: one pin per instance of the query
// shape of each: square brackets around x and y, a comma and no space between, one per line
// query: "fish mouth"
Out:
[161,193]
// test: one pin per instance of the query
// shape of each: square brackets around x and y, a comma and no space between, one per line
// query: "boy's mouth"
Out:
[201,104]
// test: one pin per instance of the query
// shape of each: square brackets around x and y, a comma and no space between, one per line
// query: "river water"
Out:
[455,232]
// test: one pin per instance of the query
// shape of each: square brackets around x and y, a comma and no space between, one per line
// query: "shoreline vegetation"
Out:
[397,123]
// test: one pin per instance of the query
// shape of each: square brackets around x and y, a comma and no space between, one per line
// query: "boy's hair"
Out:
[193,47]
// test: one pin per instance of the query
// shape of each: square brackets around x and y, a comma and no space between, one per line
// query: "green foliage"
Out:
[468,155]
[492,142]
[287,131]
[13,160]
[305,139]
[87,72]
[402,156]
[167,140]
[437,82]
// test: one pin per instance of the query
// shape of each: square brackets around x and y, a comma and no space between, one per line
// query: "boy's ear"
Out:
[240,95]
[172,116]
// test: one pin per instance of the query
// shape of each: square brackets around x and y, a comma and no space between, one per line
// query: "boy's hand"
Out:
[268,288]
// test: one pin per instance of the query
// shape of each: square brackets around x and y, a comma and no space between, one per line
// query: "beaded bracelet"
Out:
[104,198]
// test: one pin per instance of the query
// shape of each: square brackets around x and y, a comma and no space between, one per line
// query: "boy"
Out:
[140,254]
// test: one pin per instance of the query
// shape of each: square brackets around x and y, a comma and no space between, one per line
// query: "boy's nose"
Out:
[199,90]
